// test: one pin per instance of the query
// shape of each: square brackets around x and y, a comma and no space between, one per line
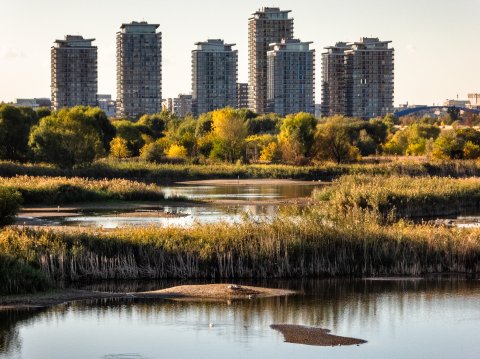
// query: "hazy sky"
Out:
[437,54]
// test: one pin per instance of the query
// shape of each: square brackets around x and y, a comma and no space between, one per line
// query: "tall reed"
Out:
[58,190]
[285,247]
[402,196]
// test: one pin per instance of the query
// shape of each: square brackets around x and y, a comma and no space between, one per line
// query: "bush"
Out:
[176,151]
[16,277]
[10,201]
[152,152]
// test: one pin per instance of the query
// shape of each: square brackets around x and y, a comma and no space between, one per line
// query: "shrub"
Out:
[152,152]
[10,201]
[176,151]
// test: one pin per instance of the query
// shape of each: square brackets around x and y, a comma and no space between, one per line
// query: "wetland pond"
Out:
[399,318]
[202,201]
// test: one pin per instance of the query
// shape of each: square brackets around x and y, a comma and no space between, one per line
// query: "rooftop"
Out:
[139,27]
[291,45]
[74,41]
[213,45]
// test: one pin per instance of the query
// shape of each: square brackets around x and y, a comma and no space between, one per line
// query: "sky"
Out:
[437,55]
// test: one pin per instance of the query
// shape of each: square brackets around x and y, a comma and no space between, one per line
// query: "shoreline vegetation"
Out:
[63,190]
[314,245]
[396,197]
[166,174]
[353,228]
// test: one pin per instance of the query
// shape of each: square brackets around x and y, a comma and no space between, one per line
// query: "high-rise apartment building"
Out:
[182,105]
[242,95]
[139,69]
[266,26]
[334,80]
[214,76]
[73,72]
[291,77]
[364,86]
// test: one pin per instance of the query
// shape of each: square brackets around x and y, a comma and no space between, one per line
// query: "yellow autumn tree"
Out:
[230,131]
[176,151]
[119,148]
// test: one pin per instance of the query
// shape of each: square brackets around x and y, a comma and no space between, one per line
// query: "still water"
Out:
[230,204]
[416,318]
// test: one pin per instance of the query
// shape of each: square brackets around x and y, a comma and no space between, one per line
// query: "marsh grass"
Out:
[284,248]
[402,196]
[60,190]
[170,173]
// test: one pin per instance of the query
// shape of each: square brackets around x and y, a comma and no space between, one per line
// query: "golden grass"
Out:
[287,247]
[402,196]
[58,190]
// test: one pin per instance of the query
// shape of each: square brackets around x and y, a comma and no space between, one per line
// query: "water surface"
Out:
[231,204]
[435,318]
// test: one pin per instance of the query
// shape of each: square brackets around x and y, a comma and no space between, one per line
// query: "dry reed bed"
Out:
[312,246]
[59,190]
[403,196]
[169,173]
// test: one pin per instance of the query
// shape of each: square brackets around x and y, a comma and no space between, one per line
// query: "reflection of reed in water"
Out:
[10,340]
[338,305]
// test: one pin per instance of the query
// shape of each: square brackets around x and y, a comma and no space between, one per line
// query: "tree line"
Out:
[81,135]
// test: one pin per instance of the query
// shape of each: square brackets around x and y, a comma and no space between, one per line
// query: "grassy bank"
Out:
[170,173]
[402,196]
[60,190]
[285,248]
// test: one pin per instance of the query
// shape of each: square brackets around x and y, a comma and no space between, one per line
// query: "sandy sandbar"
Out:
[217,291]
[186,292]
[299,334]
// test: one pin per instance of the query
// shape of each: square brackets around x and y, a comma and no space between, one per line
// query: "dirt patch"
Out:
[217,291]
[299,334]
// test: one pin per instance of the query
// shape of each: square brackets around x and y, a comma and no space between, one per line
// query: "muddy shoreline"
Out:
[224,291]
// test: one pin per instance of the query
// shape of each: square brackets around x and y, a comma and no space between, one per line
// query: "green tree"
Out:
[102,123]
[230,131]
[296,137]
[448,146]
[333,142]
[15,124]
[269,123]
[130,133]
[152,152]
[68,137]
[471,151]
[154,125]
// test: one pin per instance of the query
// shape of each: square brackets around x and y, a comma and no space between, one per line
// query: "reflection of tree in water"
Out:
[10,341]
[333,304]
[10,322]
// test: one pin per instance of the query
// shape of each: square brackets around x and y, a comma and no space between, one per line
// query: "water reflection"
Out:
[411,318]
[231,204]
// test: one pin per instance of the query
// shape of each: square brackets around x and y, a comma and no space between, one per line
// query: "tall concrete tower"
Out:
[139,69]
[266,26]
[214,76]
[73,72]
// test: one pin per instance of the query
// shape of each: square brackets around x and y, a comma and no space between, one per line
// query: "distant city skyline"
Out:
[434,54]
